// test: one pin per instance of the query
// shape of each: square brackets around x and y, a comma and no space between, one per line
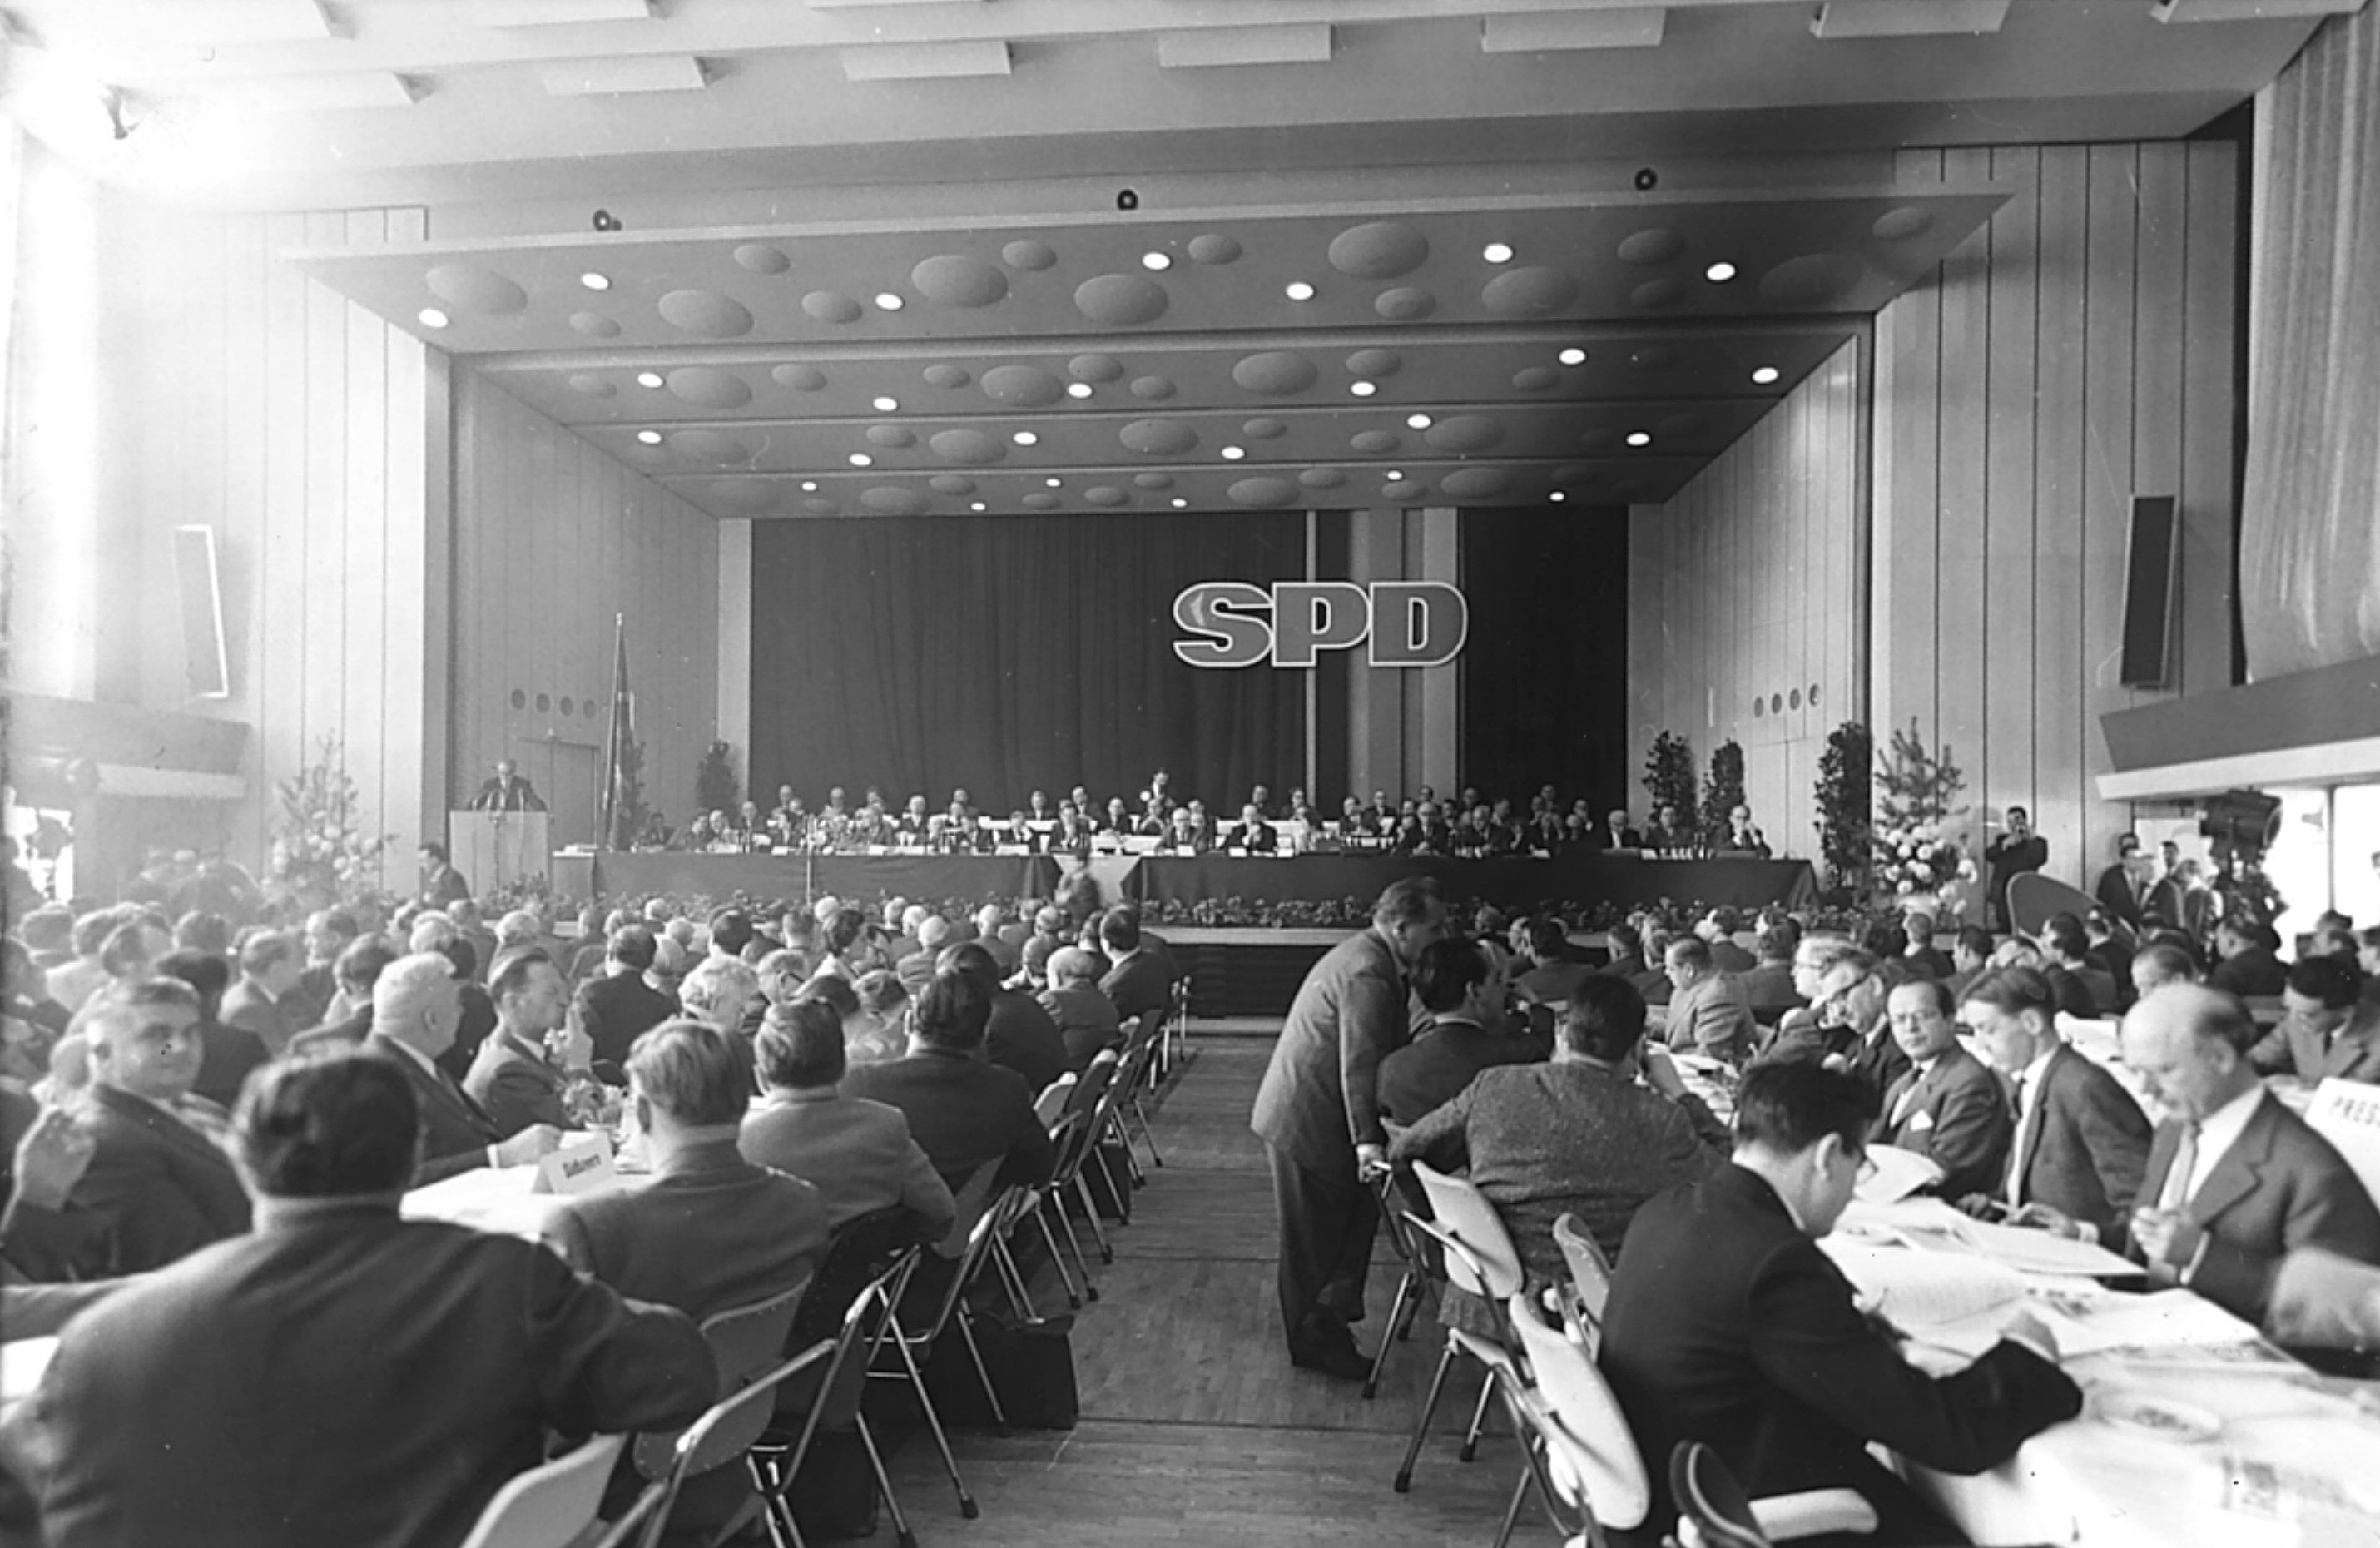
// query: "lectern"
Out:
[496,849]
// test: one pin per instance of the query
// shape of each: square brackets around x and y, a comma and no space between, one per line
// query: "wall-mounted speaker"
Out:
[2152,571]
[201,590]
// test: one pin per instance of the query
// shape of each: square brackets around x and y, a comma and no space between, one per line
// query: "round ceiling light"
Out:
[649,378]
[1298,290]
[1156,263]
[1233,454]
[1180,503]
[1639,438]
[977,506]
[1419,422]
[1497,253]
[1573,357]
[432,318]
[1765,375]
[887,405]
[1055,483]
[861,459]
[1558,496]
[1078,389]
[649,437]
[1026,438]
[1362,389]
[888,301]
[809,486]
[1392,476]
[594,281]
[1719,273]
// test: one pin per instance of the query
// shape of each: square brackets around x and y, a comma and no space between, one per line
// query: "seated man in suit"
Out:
[525,1073]
[1466,1033]
[415,1008]
[1020,1035]
[614,1008]
[856,1153]
[1728,1326]
[1851,1031]
[963,1110]
[394,1374]
[2081,1140]
[916,969]
[1769,987]
[1086,1019]
[1251,833]
[1708,1013]
[1139,977]
[2332,1031]
[1617,832]
[2236,1181]
[2066,945]
[1947,1106]
[159,1185]
[271,964]
[1554,968]
[708,1232]
[2249,968]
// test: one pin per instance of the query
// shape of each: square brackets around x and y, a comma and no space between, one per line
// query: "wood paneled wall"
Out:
[1744,602]
[553,540]
[2076,352]
[1403,724]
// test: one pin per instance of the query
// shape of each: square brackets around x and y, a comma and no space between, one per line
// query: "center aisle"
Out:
[1194,1427]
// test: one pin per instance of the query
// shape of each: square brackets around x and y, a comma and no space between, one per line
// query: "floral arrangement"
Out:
[1669,777]
[1918,856]
[1843,793]
[1722,793]
[320,854]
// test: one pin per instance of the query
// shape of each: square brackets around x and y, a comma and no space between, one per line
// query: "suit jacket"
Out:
[2114,891]
[2280,1187]
[1875,1058]
[2255,973]
[338,1376]
[963,1112]
[856,1153]
[230,1052]
[1086,1021]
[2353,1053]
[1627,838]
[246,1006]
[455,1130]
[1023,1037]
[1256,839]
[515,1087]
[1431,1070]
[1727,1325]
[158,1189]
[915,970]
[37,1241]
[1320,1095]
[515,795]
[2087,1145]
[1711,1018]
[616,1008]
[1138,984]
[1956,1113]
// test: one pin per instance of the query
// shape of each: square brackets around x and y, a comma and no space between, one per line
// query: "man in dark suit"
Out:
[44,1154]
[1727,1325]
[159,1185]
[1947,1106]
[1617,832]
[416,1007]
[963,1111]
[2117,889]
[2236,1181]
[271,963]
[1318,1111]
[516,1075]
[612,1009]
[441,883]
[1020,1035]
[1086,1019]
[1252,834]
[2332,1030]
[1851,1030]
[392,1374]
[506,791]
[709,1232]
[1139,977]
[1555,968]
[2249,968]
[1454,984]
[2011,854]
[2081,1140]
[856,1153]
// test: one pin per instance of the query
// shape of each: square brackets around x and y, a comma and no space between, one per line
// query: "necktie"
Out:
[2016,1150]
[2176,1192]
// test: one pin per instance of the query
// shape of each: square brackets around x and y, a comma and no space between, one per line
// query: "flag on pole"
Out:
[619,736]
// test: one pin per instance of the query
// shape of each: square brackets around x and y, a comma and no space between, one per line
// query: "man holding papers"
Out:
[1947,1106]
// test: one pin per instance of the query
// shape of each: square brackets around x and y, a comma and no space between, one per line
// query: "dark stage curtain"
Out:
[1544,689]
[1012,654]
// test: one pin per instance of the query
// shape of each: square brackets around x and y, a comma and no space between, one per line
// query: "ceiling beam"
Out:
[2249,10]
[1307,42]
[926,61]
[1908,19]
[1541,32]
[558,13]
[605,78]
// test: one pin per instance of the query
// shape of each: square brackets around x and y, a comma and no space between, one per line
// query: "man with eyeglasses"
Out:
[1728,1326]
[1852,1032]
[1948,1107]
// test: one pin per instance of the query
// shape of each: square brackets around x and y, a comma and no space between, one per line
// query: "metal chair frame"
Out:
[569,1486]
[1488,1268]
[1411,1284]
[749,1406]
[1075,1149]
[953,1308]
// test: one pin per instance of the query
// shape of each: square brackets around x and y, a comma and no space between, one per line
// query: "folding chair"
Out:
[1410,1284]
[1131,1067]
[1713,1506]
[721,1436]
[1479,1258]
[551,1504]
[1082,1137]
[1152,1032]
[967,1248]
[1590,1281]
[1177,1024]
[743,1339]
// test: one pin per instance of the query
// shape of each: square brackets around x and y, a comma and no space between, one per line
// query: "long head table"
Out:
[1586,879]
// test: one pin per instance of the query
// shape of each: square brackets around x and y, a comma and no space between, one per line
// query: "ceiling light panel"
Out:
[1222,48]
[557,13]
[2250,10]
[328,94]
[1552,32]
[206,22]
[624,77]
[926,61]
[1908,19]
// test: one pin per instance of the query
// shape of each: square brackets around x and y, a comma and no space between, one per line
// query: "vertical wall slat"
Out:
[2060,332]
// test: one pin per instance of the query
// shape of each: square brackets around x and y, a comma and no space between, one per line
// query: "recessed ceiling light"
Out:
[1156,263]
[1233,454]
[1765,375]
[809,486]
[1026,438]
[1392,475]
[1573,357]
[1055,483]
[887,405]
[432,318]
[861,459]
[977,506]
[1719,273]
[1497,253]
[1639,438]
[1078,389]
[594,281]
[649,437]
[1298,290]
[888,301]
[1556,496]
[1180,503]
[1362,389]
[1419,421]
[649,378]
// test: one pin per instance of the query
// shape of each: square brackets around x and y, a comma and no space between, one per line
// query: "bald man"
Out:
[417,1005]
[2236,1181]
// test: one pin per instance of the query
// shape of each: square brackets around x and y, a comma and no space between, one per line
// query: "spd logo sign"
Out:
[1407,623]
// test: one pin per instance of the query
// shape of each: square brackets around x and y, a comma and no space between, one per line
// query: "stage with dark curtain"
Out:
[1009,656]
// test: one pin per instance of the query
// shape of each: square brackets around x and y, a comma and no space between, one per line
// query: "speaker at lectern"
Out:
[497,849]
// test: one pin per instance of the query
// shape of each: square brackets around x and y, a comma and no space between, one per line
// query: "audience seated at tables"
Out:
[1852,1031]
[1708,1013]
[328,931]
[1653,982]
[437,932]
[535,1067]
[1555,968]
[1467,1031]
[2160,963]
[1728,1326]
[2081,1141]
[1576,1133]
[1020,1035]
[348,1019]
[709,1232]
[341,1375]
[2248,966]
[856,1153]
[1947,1106]
[963,1110]
[1086,1019]
[618,1006]
[2332,1027]
[2236,1181]
[416,1005]
[879,1030]
[1139,976]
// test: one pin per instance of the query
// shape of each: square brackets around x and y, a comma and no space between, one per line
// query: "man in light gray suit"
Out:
[1318,1113]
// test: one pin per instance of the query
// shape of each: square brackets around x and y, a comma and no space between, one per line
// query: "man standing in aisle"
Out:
[1319,1113]
[2011,854]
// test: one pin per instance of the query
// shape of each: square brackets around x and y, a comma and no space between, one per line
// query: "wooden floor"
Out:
[1195,1428]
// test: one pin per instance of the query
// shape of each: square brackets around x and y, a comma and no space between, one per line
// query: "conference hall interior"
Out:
[1125,772]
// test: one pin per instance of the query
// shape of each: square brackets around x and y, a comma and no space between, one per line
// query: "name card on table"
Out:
[582,1165]
[2347,1112]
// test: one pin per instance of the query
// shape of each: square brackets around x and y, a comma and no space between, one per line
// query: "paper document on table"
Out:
[2032,1251]
[2171,1323]
[1897,1175]
[1921,1290]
